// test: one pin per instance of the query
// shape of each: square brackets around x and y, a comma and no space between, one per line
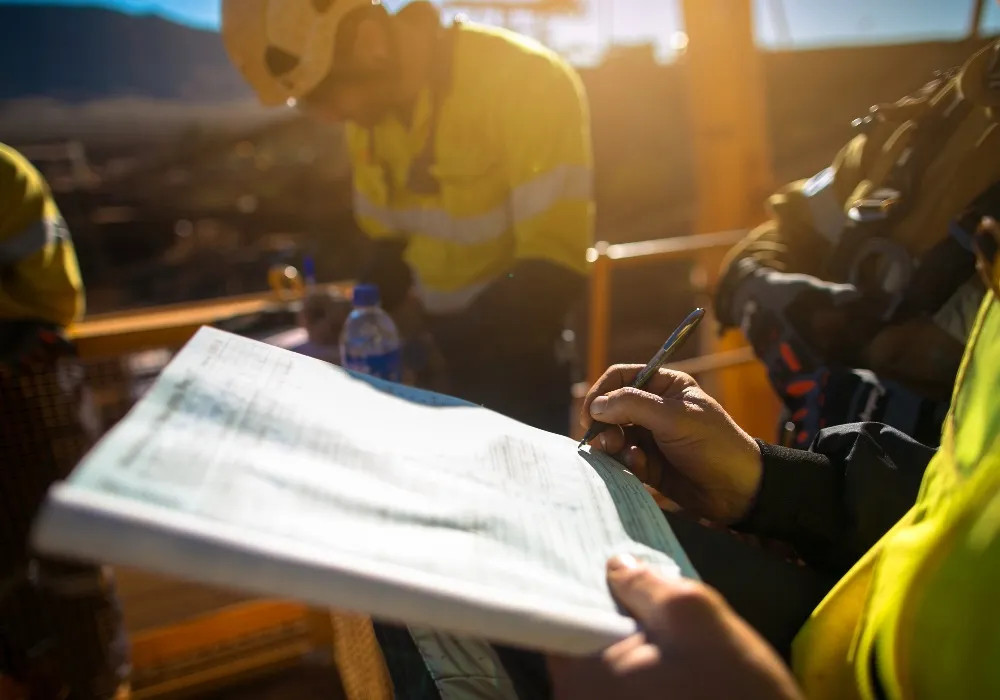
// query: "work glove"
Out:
[804,330]
[821,322]
[31,345]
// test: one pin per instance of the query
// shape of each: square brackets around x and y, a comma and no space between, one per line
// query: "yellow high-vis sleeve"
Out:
[954,647]
[39,275]
[549,163]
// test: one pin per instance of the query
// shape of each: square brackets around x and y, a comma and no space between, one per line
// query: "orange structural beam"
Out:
[732,166]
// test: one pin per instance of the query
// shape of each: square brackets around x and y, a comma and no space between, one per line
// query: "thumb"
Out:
[637,587]
[629,406]
[659,603]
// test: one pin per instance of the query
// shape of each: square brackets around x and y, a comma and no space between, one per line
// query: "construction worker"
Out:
[472,173]
[914,617]
[859,292]
[60,627]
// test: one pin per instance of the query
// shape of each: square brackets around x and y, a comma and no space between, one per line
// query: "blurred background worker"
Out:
[60,629]
[472,172]
[860,291]
[322,316]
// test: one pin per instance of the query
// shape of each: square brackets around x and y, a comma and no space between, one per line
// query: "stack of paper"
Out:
[252,467]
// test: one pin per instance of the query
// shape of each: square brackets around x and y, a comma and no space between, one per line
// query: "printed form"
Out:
[250,466]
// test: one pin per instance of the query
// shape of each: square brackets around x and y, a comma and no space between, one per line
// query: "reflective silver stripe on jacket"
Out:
[526,201]
[31,240]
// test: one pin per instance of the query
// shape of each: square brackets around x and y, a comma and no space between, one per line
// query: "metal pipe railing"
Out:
[605,258]
[170,326]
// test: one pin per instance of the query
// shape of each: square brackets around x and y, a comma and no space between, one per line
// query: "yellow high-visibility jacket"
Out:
[39,275]
[917,617]
[512,154]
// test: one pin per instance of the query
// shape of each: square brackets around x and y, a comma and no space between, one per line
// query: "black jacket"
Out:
[835,501]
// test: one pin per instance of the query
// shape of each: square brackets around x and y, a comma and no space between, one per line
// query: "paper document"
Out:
[252,467]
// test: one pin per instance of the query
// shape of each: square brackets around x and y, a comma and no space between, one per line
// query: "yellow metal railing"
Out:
[754,409]
[607,258]
[121,333]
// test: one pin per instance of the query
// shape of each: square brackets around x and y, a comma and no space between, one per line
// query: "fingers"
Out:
[636,587]
[637,462]
[611,441]
[665,382]
[615,377]
[628,406]
[653,600]
[636,449]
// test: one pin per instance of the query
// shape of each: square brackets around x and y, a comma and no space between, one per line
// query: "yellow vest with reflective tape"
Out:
[918,615]
[513,158]
[39,276]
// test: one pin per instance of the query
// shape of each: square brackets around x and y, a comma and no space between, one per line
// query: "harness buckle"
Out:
[863,125]
[877,207]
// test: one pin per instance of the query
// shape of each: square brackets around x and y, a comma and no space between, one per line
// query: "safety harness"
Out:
[928,159]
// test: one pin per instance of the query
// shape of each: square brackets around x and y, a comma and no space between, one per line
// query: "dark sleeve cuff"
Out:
[797,498]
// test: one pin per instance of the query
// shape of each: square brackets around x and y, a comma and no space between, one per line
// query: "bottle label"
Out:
[386,366]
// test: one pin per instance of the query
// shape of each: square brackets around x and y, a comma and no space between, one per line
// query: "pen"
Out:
[679,335]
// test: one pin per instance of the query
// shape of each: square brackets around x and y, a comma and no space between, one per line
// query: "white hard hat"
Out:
[284,48]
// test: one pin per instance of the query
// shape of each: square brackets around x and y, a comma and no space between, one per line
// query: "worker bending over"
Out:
[60,627]
[472,173]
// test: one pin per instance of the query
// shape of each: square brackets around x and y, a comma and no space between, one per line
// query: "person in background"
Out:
[61,633]
[472,168]
[322,316]
[423,364]
[915,614]
[860,290]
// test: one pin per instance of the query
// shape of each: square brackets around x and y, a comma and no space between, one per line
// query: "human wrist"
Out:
[747,477]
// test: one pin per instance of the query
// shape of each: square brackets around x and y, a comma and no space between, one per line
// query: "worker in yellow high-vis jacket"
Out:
[39,277]
[61,632]
[472,172]
[915,613]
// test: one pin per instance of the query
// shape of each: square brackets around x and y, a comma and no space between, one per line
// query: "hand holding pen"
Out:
[666,352]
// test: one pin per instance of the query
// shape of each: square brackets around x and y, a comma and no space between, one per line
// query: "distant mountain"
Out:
[83,54]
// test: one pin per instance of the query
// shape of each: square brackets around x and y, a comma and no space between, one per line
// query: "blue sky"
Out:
[805,23]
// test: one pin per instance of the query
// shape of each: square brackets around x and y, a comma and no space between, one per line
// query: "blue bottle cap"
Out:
[309,269]
[366,295]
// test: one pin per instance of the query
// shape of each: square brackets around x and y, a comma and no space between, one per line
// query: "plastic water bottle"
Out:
[369,342]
